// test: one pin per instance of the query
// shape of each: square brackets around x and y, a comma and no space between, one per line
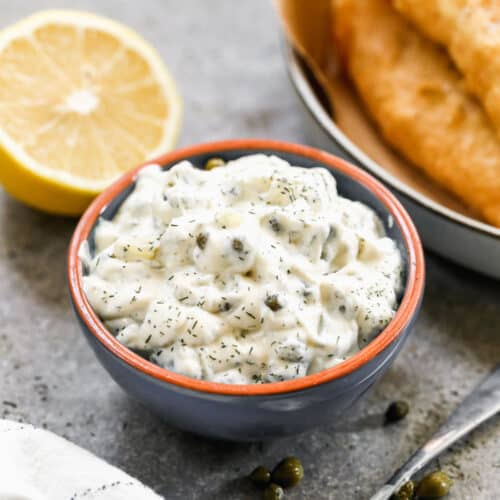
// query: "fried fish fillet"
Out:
[470,31]
[417,99]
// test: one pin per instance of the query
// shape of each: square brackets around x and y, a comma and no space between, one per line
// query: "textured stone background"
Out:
[226,58]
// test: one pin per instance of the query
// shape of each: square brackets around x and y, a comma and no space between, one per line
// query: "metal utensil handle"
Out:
[481,404]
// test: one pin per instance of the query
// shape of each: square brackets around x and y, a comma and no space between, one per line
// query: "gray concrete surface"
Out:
[225,56]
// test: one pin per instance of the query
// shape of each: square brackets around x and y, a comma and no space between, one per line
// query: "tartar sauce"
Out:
[249,273]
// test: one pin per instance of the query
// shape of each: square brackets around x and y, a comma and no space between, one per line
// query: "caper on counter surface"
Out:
[286,474]
[406,492]
[437,484]
[433,486]
[273,492]
[260,476]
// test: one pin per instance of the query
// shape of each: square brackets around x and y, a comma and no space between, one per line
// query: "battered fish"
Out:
[416,97]
[470,31]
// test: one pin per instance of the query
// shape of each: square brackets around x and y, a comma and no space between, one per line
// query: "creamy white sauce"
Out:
[252,272]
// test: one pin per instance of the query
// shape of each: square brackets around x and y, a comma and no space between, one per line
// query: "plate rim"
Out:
[311,102]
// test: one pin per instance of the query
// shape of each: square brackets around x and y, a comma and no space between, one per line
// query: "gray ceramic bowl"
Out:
[257,411]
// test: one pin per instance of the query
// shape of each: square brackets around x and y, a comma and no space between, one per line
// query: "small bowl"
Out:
[256,411]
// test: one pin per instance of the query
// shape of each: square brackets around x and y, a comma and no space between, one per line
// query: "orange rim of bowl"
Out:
[409,303]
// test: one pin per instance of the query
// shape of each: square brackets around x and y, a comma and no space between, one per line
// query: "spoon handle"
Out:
[481,404]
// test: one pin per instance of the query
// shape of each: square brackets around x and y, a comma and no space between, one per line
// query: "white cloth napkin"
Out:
[38,465]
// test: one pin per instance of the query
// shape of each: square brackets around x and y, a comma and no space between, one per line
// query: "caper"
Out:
[288,472]
[201,240]
[275,225]
[435,485]
[273,303]
[224,306]
[396,411]
[273,492]
[260,476]
[406,492]
[237,245]
[308,295]
[214,163]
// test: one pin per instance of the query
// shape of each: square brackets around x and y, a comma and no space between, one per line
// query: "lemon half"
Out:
[82,99]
